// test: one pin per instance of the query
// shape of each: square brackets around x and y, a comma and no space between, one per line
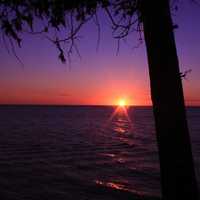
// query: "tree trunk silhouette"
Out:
[176,163]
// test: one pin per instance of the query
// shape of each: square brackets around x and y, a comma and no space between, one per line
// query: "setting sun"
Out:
[122,103]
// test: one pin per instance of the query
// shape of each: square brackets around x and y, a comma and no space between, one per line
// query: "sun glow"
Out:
[122,103]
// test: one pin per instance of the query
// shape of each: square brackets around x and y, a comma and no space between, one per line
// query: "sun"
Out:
[122,103]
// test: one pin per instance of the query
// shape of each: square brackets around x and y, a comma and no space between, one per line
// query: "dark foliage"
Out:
[61,16]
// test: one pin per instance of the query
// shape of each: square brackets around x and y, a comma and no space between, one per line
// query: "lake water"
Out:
[82,152]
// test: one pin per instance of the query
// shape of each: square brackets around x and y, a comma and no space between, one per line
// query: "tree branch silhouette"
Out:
[17,16]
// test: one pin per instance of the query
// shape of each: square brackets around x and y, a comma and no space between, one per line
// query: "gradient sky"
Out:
[99,77]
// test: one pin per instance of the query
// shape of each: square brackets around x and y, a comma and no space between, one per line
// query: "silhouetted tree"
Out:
[177,168]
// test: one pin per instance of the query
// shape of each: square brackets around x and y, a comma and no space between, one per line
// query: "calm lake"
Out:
[82,152]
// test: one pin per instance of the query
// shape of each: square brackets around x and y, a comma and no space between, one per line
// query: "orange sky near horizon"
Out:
[102,95]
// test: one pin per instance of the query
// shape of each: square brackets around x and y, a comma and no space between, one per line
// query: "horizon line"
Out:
[105,105]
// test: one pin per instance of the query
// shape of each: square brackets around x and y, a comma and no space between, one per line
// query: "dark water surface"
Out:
[81,152]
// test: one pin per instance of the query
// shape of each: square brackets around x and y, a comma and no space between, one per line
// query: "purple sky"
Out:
[99,77]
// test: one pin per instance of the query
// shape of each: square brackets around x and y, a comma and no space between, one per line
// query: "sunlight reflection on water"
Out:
[110,184]
[117,186]
[121,121]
